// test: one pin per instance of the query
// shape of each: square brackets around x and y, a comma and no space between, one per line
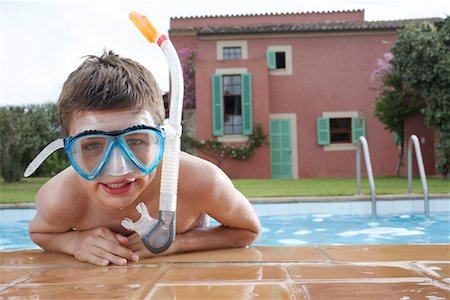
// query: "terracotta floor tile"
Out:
[346,271]
[219,292]
[441,270]
[321,272]
[250,254]
[366,253]
[14,275]
[183,274]
[287,254]
[94,275]
[36,257]
[375,291]
[74,291]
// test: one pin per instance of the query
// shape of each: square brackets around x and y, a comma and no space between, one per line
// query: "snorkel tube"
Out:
[158,234]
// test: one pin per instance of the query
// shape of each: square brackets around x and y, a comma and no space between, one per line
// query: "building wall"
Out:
[331,73]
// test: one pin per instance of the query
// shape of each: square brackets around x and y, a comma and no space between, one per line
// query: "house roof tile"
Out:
[308,27]
[268,14]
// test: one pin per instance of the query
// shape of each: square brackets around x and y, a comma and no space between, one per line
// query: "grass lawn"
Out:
[25,190]
[22,191]
[335,186]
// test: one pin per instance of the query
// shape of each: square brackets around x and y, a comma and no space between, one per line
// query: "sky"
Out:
[42,42]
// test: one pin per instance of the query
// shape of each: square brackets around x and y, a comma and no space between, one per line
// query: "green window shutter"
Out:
[271,60]
[358,128]
[246,97]
[323,131]
[217,105]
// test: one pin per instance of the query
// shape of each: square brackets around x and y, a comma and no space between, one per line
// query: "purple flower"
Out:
[383,67]
[187,59]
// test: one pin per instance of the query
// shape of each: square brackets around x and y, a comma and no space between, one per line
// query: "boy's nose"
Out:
[118,163]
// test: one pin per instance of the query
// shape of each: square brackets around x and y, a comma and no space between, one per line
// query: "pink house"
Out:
[305,79]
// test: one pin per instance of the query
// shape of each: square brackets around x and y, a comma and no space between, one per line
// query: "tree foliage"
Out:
[395,102]
[24,131]
[422,58]
[418,79]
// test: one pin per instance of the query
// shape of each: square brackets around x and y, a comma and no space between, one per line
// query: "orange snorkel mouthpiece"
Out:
[144,26]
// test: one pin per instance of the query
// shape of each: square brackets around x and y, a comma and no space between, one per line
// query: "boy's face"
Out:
[122,189]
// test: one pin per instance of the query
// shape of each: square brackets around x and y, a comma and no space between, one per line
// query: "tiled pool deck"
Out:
[306,272]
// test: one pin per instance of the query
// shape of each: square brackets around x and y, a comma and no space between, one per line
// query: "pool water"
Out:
[320,229]
[14,236]
[292,229]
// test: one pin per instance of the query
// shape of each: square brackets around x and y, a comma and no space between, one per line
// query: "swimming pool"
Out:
[307,223]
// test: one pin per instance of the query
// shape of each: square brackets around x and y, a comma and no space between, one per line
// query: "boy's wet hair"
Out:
[109,82]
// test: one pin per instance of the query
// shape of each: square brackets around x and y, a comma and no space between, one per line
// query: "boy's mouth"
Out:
[118,187]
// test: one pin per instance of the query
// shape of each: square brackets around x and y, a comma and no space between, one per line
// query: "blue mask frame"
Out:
[116,140]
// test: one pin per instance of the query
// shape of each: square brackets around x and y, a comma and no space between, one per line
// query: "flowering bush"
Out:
[415,77]
[222,150]
[395,102]
[187,59]
[384,67]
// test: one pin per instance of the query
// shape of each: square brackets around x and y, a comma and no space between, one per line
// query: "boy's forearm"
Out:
[212,238]
[56,242]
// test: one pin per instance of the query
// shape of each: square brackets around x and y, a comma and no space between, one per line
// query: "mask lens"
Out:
[87,152]
[145,146]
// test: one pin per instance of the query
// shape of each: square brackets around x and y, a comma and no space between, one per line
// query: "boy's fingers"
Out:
[117,251]
[121,239]
[93,259]
[114,259]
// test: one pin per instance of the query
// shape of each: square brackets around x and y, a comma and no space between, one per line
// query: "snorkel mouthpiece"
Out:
[158,235]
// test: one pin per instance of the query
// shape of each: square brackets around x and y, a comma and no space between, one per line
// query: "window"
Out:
[232,104]
[232,53]
[279,60]
[339,130]
[231,49]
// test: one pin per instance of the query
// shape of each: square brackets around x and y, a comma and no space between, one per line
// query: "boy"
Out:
[115,96]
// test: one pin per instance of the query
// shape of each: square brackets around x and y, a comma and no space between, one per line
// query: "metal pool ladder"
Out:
[414,140]
[363,142]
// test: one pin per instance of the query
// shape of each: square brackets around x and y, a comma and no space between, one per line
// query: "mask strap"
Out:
[46,152]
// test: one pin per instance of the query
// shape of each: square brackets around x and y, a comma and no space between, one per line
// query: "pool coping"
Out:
[347,198]
[261,200]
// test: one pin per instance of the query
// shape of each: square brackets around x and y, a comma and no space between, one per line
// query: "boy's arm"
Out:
[52,230]
[214,194]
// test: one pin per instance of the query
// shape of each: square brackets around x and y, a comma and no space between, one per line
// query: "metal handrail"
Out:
[414,140]
[362,141]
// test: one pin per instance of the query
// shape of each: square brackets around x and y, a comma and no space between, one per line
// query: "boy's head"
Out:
[109,82]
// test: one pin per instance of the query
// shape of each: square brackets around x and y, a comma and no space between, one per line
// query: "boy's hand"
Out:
[101,246]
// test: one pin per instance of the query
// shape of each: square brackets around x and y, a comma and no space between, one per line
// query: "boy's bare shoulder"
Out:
[198,172]
[62,196]
[203,180]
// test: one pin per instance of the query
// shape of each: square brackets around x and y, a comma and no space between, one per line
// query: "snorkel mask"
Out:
[94,153]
